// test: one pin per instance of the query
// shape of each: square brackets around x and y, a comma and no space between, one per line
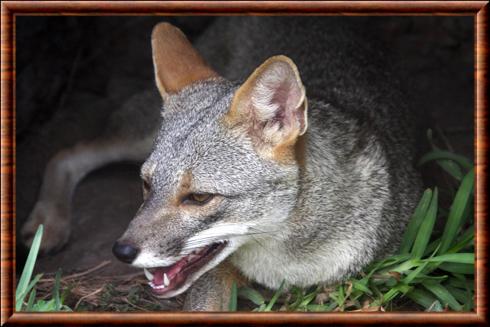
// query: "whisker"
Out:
[218,237]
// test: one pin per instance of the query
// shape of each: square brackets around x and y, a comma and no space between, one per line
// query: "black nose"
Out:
[125,251]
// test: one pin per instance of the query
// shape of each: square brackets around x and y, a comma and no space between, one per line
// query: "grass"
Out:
[89,291]
[26,285]
[432,271]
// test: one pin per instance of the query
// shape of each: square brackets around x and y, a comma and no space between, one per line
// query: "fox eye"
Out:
[198,199]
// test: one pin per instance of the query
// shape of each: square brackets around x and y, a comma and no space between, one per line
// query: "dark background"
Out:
[72,72]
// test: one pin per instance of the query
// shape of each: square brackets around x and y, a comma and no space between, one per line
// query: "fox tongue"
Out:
[171,271]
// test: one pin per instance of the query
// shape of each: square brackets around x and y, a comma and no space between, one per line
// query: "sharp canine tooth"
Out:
[166,282]
[148,274]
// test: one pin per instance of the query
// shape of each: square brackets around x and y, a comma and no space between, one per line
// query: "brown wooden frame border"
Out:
[9,9]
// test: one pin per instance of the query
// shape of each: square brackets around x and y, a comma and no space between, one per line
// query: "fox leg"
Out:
[212,291]
[62,174]
[128,136]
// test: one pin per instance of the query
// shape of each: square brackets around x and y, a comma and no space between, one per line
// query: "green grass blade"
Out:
[252,295]
[26,275]
[451,168]
[403,288]
[233,299]
[463,241]
[404,266]
[307,299]
[461,282]
[30,302]
[425,230]
[386,264]
[459,294]
[298,296]
[458,268]
[423,277]
[443,295]
[317,308]
[469,287]
[435,278]
[390,295]
[468,258]
[468,234]
[341,296]
[456,214]
[432,246]
[412,275]
[415,222]
[421,297]
[446,155]
[275,297]
[361,286]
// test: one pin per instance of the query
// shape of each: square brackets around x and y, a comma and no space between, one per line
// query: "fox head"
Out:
[224,168]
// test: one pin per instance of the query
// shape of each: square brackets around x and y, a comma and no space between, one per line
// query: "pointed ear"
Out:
[176,62]
[271,105]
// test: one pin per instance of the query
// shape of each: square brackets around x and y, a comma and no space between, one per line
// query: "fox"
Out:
[277,150]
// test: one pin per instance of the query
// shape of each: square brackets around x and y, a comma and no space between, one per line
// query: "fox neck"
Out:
[314,242]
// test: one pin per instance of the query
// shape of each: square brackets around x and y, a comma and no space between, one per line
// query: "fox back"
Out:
[302,171]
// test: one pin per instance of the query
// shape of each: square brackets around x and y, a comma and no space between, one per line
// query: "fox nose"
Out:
[125,251]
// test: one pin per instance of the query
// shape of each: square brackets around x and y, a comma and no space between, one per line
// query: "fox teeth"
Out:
[166,282]
[148,274]
[158,287]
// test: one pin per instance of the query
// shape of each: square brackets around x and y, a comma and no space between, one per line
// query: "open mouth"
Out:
[165,279]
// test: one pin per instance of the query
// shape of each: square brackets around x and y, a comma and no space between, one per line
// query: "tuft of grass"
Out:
[433,271]
[28,286]
[25,284]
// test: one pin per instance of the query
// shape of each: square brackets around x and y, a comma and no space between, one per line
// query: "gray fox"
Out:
[301,172]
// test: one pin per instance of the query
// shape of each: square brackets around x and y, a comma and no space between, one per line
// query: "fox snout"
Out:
[169,247]
[152,236]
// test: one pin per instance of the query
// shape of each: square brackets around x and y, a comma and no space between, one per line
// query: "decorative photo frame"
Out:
[12,9]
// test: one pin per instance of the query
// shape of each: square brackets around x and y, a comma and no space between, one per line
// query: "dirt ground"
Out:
[72,72]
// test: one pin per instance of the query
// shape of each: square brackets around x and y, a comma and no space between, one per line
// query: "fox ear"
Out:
[176,62]
[271,105]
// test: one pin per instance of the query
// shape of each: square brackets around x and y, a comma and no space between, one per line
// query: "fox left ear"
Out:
[176,62]
[271,105]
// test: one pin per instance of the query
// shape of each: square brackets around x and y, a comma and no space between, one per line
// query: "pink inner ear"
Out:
[286,96]
[280,99]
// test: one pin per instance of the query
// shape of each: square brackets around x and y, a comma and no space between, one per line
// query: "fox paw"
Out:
[56,227]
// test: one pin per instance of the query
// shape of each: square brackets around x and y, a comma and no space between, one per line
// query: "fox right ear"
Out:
[176,62]
[271,107]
